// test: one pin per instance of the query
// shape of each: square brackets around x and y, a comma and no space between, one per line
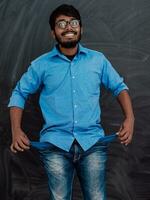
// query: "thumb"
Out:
[120,129]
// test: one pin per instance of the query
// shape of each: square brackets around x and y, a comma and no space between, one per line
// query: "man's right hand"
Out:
[20,141]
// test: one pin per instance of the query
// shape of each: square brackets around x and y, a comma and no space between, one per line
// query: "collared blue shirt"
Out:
[69,99]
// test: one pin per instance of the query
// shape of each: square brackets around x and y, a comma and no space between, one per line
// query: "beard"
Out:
[68,44]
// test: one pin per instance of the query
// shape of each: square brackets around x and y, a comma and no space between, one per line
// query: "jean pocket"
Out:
[108,138]
[41,146]
[101,143]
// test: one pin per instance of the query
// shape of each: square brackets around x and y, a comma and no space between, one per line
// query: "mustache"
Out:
[74,32]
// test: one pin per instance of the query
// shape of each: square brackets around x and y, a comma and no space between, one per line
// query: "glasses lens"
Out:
[74,23]
[62,24]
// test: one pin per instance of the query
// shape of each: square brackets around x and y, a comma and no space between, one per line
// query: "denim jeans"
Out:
[89,165]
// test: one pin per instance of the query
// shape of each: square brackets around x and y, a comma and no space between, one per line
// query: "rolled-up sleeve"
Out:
[111,79]
[28,84]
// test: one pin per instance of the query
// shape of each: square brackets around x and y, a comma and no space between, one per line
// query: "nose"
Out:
[68,26]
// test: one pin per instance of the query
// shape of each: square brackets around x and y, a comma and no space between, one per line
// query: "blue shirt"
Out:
[69,99]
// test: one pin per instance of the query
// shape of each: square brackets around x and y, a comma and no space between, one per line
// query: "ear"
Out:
[53,34]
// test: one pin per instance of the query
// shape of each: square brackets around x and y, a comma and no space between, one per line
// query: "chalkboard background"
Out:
[118,28]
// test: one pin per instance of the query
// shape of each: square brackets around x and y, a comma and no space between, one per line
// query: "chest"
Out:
[82,74]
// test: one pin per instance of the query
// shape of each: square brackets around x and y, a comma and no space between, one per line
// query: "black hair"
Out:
[64,9]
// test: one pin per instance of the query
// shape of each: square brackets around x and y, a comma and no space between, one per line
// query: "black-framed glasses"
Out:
[62,24]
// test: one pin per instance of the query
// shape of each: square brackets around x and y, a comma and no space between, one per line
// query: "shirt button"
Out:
[74,91]
[75,122]
[75,106]
[73,77]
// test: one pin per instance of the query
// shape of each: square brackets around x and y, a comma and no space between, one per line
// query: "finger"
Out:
[124,137]
[18,147]
[23,145]
[121,127]
[127,141]
[25,140]
[122,133]
[12,149]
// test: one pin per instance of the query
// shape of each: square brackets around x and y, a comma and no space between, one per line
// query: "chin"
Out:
[70,44]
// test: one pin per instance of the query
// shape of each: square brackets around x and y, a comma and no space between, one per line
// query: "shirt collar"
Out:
[82,49]
[56,52]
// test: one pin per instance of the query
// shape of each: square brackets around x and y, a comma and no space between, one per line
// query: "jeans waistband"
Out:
[45,145]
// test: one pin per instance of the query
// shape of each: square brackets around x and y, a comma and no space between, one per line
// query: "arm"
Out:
[20,141]
[126,129]
[112,81]
[28,84]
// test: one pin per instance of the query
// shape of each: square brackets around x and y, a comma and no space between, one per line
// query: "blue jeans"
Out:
[89,166]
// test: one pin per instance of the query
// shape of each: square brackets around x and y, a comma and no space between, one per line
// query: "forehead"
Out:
[64,17]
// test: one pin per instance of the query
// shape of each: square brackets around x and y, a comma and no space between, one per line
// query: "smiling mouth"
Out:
[69,34]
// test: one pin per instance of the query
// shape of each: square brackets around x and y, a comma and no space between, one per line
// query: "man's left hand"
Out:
[126,131]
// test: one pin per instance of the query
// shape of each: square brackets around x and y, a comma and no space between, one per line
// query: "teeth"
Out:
[69,34]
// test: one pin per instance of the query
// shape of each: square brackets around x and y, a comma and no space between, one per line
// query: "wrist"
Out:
[16,129]
[130,117]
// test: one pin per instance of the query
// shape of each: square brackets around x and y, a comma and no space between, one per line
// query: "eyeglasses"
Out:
[62,24]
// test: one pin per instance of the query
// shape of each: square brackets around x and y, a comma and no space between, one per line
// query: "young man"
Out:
[72,137]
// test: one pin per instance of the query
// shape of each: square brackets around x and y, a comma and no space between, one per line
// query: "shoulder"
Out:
[41,59]
[94,53]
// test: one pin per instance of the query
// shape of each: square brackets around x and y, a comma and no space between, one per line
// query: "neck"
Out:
[69,51]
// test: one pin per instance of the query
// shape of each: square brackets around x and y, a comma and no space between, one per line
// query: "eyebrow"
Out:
[65,19]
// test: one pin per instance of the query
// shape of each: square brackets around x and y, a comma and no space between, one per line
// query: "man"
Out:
[72,137]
